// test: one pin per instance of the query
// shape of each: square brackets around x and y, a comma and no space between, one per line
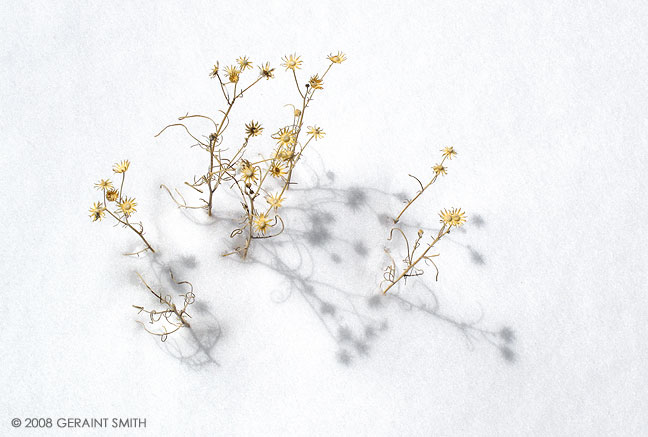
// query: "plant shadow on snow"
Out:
[331,249]
[193,346]
[328,223]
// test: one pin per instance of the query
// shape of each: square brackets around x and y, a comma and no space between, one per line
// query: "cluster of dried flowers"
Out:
[454,217]
[260,183]
[118,205]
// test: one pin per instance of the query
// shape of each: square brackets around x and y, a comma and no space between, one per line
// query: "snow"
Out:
[545,103]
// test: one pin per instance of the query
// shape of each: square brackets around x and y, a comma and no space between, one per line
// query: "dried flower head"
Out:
[291,62]
[104,184]
[266,71]
[97,212]
[127,206]
[285,137]
[316,83]
[297,112]
[439,169]
[262,223]
[244,63]
[112,195]
[337,59]
[448,152]
[249,172]
[454,217]
[232,73]
[284,154]
[274,200]
[121,167]
[316,132]
[253,129]
[214,71]
[277,169]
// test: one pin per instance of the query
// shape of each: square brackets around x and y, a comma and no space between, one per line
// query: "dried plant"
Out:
[123,206]
[174,317]
[220,168]
[439,169]
[454,217]
[269,177]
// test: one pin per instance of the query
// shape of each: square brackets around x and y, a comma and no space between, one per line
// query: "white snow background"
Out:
[545,102]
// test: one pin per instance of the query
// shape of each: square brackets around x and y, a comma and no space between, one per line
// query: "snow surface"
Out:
[545,102]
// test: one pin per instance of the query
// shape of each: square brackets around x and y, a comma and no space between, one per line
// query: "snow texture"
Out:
[545,101]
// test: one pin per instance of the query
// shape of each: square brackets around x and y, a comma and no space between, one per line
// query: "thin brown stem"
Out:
[139,233]
[409,203]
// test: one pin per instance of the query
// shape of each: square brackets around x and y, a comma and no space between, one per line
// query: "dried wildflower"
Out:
[454,217]
[262,223]
[266,71]
[291,62]
[316,83]
[274,200]
[97,212]
[337,59]
[104,184]
[249,172]
[127,206]
[297,112]
[121,167]
[285,137]
[316,132]
[439,169]
[448,152]
[284,154]
[244,63]
[214,71]
[232,73]
[112,195]
[277,170]
[253,129]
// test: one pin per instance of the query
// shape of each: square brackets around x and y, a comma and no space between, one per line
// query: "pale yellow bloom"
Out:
[454,217]
[316,83]
[249,172]
[121,167]
[214,71]
[274,200]
[104,184]
[337,59]
[316,132]
[439,169]
[285,137]
[97,212]
[448,152]
[266,71]
[291,62]
[277,169]
[244,62]
[127,206]
[262,223]
[112,195]
[284,153]
[232,73]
